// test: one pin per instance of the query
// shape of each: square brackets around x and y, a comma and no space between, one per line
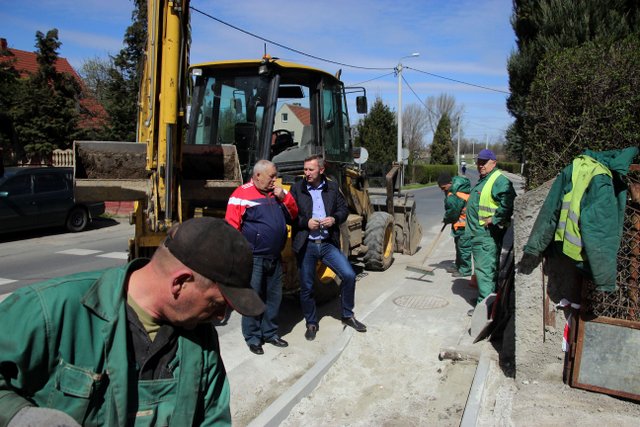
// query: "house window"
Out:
[285,117]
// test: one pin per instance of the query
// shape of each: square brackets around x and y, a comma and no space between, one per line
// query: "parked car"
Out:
[39,197]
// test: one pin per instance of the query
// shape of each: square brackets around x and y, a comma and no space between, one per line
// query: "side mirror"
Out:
[360,155]
[361,105]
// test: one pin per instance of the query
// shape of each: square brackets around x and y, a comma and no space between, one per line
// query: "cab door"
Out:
[18,209]
[54,198]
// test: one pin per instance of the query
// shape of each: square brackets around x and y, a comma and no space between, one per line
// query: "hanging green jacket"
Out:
[63,345]
[453,205]
[502,192]
[601,216]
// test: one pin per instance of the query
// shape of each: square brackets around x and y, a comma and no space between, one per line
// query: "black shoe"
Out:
[310,335]
[351,321]
[278,342]
[256,349]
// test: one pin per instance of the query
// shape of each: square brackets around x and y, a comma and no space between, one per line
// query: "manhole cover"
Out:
[420,302]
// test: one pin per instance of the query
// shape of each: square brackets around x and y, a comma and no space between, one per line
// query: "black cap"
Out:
[219,252]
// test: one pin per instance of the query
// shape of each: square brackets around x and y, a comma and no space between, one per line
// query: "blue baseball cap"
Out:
[485,154]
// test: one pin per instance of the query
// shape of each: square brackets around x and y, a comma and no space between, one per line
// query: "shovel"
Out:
[419,267]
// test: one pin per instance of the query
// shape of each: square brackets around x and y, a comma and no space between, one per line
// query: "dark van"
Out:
[39,197]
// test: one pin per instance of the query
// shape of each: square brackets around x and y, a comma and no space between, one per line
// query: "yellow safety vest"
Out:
[568,230]
[488,205]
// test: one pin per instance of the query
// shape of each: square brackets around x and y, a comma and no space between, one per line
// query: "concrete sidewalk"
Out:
[372,378]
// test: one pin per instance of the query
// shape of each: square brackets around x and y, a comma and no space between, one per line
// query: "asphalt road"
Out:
[33,256]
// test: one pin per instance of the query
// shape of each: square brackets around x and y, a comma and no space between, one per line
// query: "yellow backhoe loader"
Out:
[201,128]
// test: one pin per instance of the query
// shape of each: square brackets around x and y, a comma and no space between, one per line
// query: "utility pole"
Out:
[399,72]
[458,150]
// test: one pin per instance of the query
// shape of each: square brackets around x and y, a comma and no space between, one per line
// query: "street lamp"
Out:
[399,71]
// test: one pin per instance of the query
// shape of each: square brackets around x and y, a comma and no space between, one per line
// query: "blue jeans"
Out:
[266,280]
[336,261]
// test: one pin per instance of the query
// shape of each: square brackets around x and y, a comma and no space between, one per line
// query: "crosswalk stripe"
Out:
[115,255]
[79,252]
[6,281]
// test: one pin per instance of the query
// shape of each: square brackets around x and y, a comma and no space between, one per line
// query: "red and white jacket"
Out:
[261,218]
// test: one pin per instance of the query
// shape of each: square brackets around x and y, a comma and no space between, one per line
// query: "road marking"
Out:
[115,255]
[4,296]
[79,252]
[6,281]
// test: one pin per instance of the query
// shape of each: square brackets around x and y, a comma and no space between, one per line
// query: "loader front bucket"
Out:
[407,228]
[105,170]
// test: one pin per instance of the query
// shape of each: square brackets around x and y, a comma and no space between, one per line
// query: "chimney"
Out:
[3,44]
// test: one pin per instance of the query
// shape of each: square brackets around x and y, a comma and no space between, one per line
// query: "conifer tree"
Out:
[442,146]
[377,132]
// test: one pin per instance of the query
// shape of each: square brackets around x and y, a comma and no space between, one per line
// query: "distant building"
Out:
[26,63]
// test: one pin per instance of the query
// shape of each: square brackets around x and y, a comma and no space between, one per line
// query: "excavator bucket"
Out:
[110,171]
[117,171]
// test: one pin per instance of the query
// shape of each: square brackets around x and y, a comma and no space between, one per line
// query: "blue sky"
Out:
[464,40]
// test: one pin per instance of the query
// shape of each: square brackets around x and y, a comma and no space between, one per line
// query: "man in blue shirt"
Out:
[321,210]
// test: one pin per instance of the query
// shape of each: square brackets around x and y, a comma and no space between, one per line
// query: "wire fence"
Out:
[624,303]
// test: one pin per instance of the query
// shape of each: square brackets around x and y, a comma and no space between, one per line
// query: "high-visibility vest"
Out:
[462,220]
[488,205]
[568,229]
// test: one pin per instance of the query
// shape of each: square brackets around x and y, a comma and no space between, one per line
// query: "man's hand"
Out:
[327,222]
[278,193]
[314,224]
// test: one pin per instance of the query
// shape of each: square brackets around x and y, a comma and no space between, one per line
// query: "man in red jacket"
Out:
[260,211]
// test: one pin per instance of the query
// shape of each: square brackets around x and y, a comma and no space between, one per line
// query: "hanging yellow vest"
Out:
[488,206]
[568,229]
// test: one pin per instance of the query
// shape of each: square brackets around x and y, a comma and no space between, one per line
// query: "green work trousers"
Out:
[463,254]
[486,248]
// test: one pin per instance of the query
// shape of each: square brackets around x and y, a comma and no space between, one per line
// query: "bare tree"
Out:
[414,126]
[443,104]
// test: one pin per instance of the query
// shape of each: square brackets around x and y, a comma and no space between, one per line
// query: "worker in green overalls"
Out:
[489,211]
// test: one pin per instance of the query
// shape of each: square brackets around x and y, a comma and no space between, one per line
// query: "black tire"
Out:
[77,219]
[379,239]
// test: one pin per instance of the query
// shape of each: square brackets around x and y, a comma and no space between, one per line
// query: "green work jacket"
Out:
[502,192]
[63,345]
[601,216]
[454,206]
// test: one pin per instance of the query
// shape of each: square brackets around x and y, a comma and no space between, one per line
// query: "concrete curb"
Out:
[472,408]
[278,411]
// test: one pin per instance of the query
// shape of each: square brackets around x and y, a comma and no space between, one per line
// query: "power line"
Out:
[458,81]
[283,46]
[370,80]
[416,95]
[431,111]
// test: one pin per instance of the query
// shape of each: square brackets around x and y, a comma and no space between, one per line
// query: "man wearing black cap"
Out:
[128,345]
[489,211]
[456,192]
